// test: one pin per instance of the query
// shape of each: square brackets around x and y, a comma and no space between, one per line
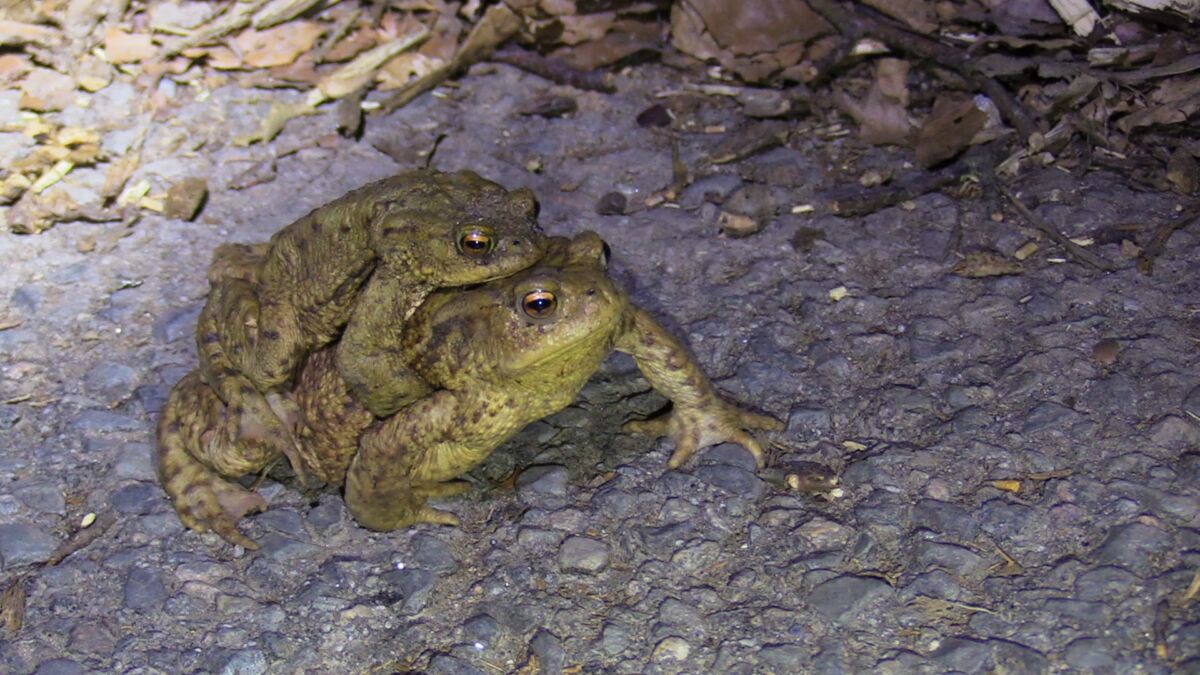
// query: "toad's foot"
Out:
[205,501]
[428,514]
[710,424]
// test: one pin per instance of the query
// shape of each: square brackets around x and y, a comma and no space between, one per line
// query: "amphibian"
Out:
[496,357]
[363,263]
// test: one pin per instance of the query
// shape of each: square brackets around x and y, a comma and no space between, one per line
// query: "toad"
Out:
[358,266]
[495,358]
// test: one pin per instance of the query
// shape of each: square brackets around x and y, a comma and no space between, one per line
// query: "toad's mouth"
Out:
[604,333]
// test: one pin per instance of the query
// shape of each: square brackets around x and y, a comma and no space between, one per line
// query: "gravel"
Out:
[927,392]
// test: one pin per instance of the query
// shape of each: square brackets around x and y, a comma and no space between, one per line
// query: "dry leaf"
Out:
[122,47]
[736,225]
[277,46]
[952,124]
[19,33]
[976,264]
[13,66]
[883,115]
[12,605]
[185,198]
[1183,172]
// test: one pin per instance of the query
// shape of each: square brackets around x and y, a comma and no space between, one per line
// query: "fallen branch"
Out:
[554,70]
[1158,243]
[1074,250]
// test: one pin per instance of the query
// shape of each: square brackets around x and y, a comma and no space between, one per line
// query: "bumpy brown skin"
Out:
[272,304]
[493,368]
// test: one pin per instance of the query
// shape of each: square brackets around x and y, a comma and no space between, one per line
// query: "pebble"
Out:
[152,397]
[432,553]
[730,454]
[672,649]
[735,481]
[414,586]
[692,559]
[1104,583]
[105,422]
[843,596]
[1090,655]
[583,554]
[138,498]
[481,628]
[962,655]
[145,590]
[1134,546]
[1175,433]
[542,480]
[41,497]
[784,658]
[614,638]
[549,650]
[177,325]
[809,421]
[135,461]
[21,544]
[246,662]
[59,666]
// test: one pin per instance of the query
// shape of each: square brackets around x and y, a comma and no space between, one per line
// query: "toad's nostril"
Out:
[516,242]
[591,291]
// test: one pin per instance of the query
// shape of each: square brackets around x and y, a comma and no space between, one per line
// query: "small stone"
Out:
[481,628]
[784,658]
[614,638]
[1105,352]
[1090,655]
[695,558]
[809,422]
[730,454]
[1104,583]
[21,544]
[246,662]
[549,651]
[654,116]
[135,461]
[583,554]
[111,382]
[672,649]
[326,515]
[92,638]
[432,553]
[123,47]
[414,586]
[104,421]
[137,498]
[177,325]
[611,204]
[59,666]
[45,90]
[736,225]
[1175,433]
[962,655]
[41,497]
[733,480]
[546,479]
[144,590]
[847,594]
[1133,546]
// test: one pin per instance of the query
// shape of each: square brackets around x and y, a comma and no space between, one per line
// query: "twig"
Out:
[1075,250]
[554,70]
[82,538]
[1158,243]
[853,200]
[854,24]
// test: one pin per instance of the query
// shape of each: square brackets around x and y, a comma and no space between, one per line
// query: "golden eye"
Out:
[476,242]
[539,304]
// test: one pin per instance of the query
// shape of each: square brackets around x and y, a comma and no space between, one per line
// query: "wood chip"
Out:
[185,198]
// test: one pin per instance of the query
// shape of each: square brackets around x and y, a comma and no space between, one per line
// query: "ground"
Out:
[922,388]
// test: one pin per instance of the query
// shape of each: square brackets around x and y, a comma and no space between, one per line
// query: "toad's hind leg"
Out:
[203,499]
[254,429]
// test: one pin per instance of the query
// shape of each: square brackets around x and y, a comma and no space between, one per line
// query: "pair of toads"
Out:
[388,341]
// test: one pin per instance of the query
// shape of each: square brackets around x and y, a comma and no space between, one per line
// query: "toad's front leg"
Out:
[399,462]
[699,417]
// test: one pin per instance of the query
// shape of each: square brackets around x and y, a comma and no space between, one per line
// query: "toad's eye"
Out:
[476,243]
[539,304]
